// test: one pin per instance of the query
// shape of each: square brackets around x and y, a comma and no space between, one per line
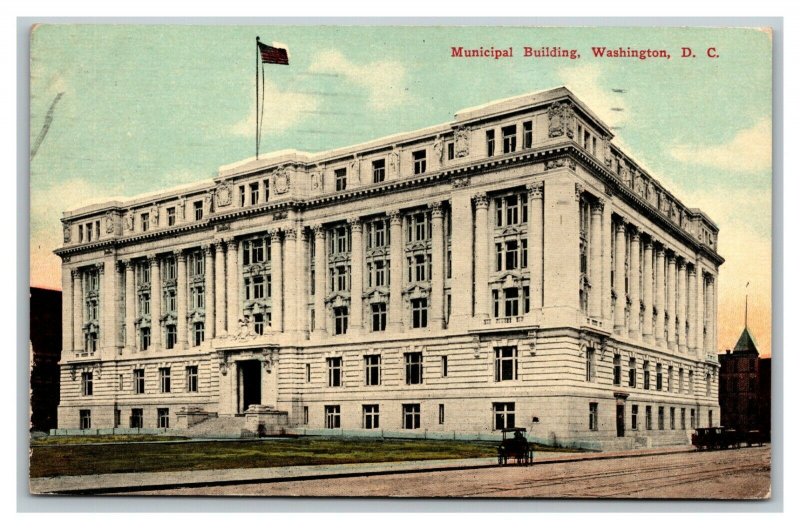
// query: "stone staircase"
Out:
[226,427]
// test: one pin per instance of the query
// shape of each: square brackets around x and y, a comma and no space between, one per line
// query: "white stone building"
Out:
[510,268]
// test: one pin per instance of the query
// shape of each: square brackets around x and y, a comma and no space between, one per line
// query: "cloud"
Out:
[584,81]
[281,111]
[385,81]
[749,150]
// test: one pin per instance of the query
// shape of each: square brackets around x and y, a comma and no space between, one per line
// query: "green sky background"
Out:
[150,107]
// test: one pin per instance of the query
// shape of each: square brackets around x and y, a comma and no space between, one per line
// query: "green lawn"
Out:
[64,457]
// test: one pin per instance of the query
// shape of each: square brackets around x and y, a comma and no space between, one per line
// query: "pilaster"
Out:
[183,338]
[210,306]
[634,329]
[536,242]
[278,297]
[320,281]
[155,302]
[437,275]
[355,325]
[481,256]
[396,271]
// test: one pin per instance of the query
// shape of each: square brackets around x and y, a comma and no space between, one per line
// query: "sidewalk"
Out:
[134,482]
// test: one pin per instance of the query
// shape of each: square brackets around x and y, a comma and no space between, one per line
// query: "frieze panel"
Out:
[224,194]
[281,181]
[561,120]
[462,142]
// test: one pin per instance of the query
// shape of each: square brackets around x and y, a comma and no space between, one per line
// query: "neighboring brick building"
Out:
[45,350]
[745,386]
[508,265]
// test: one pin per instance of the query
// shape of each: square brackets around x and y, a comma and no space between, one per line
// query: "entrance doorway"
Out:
[249,384]
[620,420]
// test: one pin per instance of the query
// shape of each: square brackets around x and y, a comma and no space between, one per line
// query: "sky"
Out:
[145,108]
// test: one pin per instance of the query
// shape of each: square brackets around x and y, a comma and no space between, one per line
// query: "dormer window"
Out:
[341,179]
[378,171]
[509,139]
[527,134]
[145,221]
[198,210]
[419,161]
[171,216]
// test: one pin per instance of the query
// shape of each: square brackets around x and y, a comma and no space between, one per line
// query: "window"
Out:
[669,379]
[87,384]
[171,216]
[511,210]
[137,418]
[340,320]
[692,421]
[635,417]
[89,232]
[419,161]
[646,374]
[371,416]
[376,234]
[509,139]
[710,418]
[708,385]
[683,418]
[145,218]
[661,417]
[308,372]
[266,190]
[691,382]
[198,210]
[198,298]
[505,363]
[340,241]
[378,316]
[441,413]
[199,334]
[163,417]
[671,418]
[419,227]
[380,273]
[85,419]
[258,323]
[172,336]
[593,416]
[658,377]
[419,313]
[411,416]
[305,414]
[490,142]
[444,366]
[378,171]
[254,193]
[164,379]
[413,363]
[372,367]
[632,372]
[170,301]
[648,417]
[333,416]
[144,342]
[420,268]
[680,380]
[617,370]
[340,176]
[527,134]
[504,415]
[121,382]
[242,196]
[91,342]
[191,379]
[451,150]
[334,372]
[80,233]
[138,381]
[590,365]
[117,418]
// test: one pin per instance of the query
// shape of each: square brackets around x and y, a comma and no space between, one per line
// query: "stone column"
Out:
[536,242]
[220,326]
[647,291]
[660,302]
[232,285]
[709,316]
[481,256]
[607,235]
[320,281]
[77,310]
[596,260]
[210,306]
[67,306]
[692,316]
[634,329]
[681,311]
[396,271]
[619,277]
[437,274]
[301,259]
[277,280]
[715,302]
[671,301]
[290,279]
[106,308]
[155,303]
[130,306]
[180,288]
[356,276]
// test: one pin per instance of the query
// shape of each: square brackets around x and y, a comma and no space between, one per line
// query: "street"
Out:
[723,474]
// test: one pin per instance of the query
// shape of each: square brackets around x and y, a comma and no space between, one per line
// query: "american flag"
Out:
[273,55]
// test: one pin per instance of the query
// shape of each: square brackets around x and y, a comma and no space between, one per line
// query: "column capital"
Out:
[598,205]
[232,244]
[319,231]
[290,233]
[152,260]
[692,271]
[535,189]
[274,233]
[682,265]
[395,217]
[219,245]
[127,264]
[648,243]
[207,249]
[75,273]
[660,251]
[180,255]
[355,224]
[101,267]
[481,201]
[671,258]
[635,232]
[578,191]
[622,225]
[436,209]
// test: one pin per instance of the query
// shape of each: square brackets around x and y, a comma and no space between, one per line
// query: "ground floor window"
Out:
[683,418]
[85,419]
[648,417]
[710,418]
[661,417]
[672,418]
[634,417]
[117,418]
[593,416]
[305,414]
[441,412]
[163,417]
[137,418]
[333,416]
[504,415]
[411,416]
[691,419]
[371,416]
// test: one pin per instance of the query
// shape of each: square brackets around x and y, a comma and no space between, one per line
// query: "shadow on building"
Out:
[45,353]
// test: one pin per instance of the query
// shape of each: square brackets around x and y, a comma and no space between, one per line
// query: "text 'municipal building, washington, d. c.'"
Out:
[510,268]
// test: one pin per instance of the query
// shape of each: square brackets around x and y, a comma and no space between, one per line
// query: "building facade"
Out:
[745,387]
[510,268]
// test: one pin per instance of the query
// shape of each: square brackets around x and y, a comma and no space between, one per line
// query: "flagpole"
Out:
[257,61]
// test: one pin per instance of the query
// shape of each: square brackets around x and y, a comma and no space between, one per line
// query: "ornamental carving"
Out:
[624,173]
[436,209]
[650,194]
[67,233]
[560,162]
[561,120]
[535,189]
[355,170]
[462,142]
[109,222]
[438,150]
[129,221]
[607,151]
[154,215]
[394,161]
[208,200]
[224,194]
[316,180]
[481,201]
[282,182]
[638,183]
[460,182]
